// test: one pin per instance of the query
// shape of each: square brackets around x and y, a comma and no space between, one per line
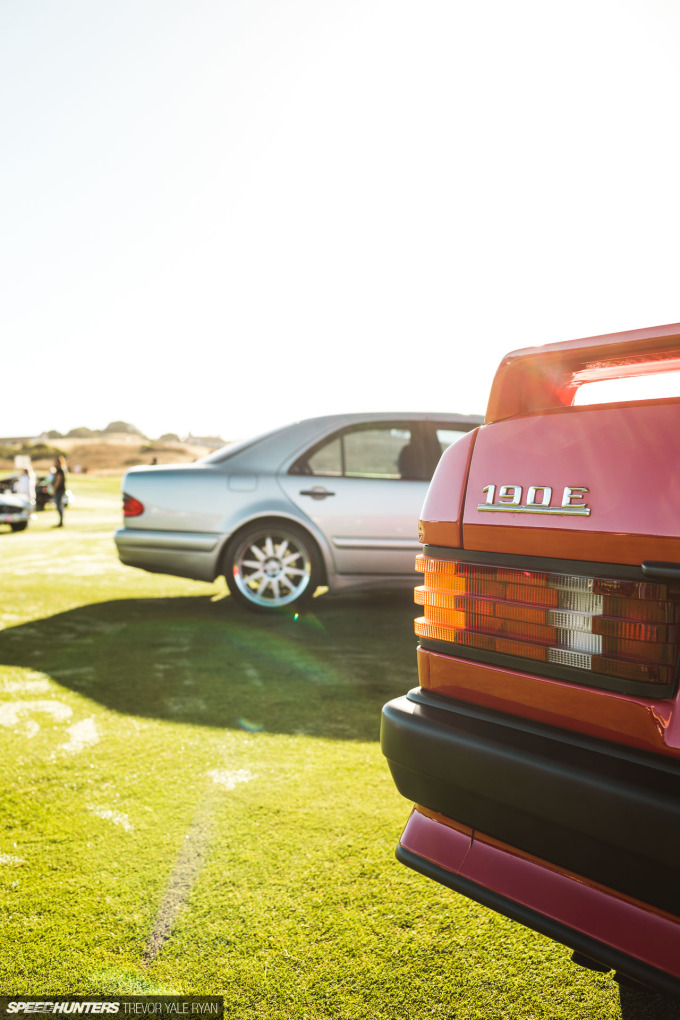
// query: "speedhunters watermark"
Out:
[193,1007]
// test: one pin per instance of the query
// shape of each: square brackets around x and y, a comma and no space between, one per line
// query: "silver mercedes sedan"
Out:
[330,501]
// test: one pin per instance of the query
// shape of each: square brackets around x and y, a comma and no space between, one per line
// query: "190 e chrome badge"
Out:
[538,500]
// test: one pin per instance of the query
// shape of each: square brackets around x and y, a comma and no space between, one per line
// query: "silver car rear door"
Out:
[364,487]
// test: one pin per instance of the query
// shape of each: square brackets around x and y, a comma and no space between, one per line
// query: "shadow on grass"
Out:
[194,660]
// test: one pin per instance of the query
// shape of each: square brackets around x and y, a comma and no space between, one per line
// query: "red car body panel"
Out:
[623,923]
[590,491]
[618,455]
[638,722]
[594,448]
[442,513]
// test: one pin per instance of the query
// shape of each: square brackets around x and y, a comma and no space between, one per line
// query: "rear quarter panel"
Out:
[204,498]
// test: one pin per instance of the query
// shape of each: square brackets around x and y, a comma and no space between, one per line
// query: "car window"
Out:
[391,451]
[447,437]
[374,452]
[326,460]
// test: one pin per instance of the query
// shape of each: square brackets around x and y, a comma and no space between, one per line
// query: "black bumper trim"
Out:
[523,725]
[600,810]
[610,958]
[586,568]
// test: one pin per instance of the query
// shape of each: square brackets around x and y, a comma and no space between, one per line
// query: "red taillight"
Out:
[618,628]
[131,506]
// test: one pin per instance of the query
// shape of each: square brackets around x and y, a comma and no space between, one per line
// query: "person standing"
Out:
[25,485]
[59,485]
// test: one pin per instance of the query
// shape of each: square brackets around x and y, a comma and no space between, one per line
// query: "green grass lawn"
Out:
[194,800]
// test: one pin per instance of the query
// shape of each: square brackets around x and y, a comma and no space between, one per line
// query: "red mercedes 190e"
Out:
[542,747]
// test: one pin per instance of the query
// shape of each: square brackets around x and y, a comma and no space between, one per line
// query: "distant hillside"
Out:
[114,428]
[109,454]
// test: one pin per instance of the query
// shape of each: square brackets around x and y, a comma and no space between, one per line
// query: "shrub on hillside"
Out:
[156,446]
[40,451]
[83,433]
[122,426]
[36,451]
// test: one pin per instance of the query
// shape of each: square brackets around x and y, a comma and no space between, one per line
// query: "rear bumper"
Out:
[184,553]
[14,510]
[14,517]
[613,930]
[602,811]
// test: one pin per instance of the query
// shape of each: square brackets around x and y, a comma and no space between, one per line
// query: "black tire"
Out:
[20,526]
[271,565]
[638,1003]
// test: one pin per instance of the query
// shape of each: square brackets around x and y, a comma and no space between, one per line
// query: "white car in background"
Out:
[331,501]
[15,510]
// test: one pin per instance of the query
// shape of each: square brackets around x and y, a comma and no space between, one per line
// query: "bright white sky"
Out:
[223,215]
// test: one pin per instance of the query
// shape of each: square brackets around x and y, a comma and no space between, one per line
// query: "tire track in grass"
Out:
[191,858]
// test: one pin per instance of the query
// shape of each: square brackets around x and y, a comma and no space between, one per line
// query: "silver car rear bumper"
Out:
[184,553]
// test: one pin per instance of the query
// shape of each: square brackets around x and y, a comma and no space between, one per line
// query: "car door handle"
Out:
[318,492]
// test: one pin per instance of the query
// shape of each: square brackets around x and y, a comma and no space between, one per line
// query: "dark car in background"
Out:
[44,493]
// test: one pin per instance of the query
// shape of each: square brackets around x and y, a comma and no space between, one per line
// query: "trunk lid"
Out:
[592,483]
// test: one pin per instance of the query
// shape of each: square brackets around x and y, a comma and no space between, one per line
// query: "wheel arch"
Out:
[280,518]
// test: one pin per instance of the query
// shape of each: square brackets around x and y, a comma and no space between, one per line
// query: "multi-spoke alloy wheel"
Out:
[271,567]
